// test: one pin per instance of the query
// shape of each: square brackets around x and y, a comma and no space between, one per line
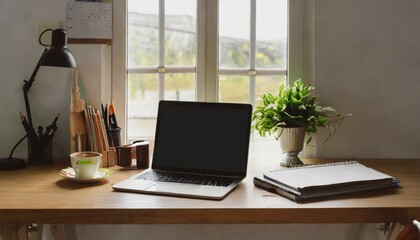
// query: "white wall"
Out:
[19,53]
[20,22]
[367,56]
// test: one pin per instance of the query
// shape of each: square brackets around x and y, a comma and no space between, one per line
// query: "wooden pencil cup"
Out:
[142,154]
[138,150]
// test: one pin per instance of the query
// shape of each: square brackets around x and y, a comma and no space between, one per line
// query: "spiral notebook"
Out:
[323,180]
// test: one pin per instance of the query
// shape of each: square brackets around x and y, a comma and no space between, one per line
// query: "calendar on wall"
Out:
[89,19]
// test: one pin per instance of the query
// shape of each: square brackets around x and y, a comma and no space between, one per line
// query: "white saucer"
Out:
[69,174]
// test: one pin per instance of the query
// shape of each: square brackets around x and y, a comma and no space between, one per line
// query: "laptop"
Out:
[201,151]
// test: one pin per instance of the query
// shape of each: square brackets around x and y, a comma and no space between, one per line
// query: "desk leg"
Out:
[393,231]
[57,231]
[40,230]
[15,231]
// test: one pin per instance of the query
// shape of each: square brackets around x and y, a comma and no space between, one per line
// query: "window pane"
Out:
[180,87]
[180,32]
[142,104]
[271,33]
[234,89]
[140,128]
[142,33]
[267,84]
[234,19]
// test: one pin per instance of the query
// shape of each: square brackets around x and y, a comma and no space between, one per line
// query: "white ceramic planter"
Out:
[291,143]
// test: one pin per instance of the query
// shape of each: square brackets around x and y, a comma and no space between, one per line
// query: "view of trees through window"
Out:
[147,83]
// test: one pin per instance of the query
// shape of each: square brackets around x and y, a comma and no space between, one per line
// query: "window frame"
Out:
[207,68]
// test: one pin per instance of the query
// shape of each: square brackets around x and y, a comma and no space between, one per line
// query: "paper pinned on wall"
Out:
[89,19]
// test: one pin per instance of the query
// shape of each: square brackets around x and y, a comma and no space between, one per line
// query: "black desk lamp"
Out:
[56,56]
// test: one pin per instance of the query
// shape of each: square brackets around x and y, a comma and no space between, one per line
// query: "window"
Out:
[252,48]
[161,51]
[207,50]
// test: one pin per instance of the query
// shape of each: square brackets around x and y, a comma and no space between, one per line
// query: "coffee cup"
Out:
[85,164]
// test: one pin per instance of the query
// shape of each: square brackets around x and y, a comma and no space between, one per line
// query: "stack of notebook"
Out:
[324,180]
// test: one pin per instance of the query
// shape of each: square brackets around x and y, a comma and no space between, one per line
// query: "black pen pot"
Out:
[40,151]
[114,137]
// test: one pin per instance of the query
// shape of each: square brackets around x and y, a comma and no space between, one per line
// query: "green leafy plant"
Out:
[293,107]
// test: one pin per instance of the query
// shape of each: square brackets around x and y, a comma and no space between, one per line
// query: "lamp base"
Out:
[7,164]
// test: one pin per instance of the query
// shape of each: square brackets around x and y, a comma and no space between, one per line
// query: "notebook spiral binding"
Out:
[316,165]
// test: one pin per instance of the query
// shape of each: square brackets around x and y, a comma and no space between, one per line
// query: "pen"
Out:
[55,119]
[40,129]
[53,125]
[105,115]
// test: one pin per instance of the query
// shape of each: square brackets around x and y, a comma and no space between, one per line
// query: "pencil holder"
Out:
[142,154]
[138,150]
[114,137]
[40,151]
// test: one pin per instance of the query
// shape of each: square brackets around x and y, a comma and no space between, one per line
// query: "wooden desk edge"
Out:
[209,216]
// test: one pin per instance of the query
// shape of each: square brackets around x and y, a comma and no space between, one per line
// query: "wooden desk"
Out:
[39,195]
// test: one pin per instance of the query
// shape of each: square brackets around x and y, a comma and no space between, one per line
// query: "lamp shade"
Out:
[58,55]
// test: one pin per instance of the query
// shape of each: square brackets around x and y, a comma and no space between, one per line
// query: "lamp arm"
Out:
[14,147]
[27,85]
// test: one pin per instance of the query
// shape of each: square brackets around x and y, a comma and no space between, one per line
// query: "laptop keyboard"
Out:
[186,178]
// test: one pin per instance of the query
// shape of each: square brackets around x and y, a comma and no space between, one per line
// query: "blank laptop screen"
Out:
[211,138]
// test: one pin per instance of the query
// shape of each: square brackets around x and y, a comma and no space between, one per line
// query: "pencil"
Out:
[28,129]
[112,116]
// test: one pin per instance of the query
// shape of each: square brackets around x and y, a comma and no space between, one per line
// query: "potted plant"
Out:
[291,114]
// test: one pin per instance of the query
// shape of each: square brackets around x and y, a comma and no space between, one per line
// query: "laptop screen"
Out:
[199,137]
